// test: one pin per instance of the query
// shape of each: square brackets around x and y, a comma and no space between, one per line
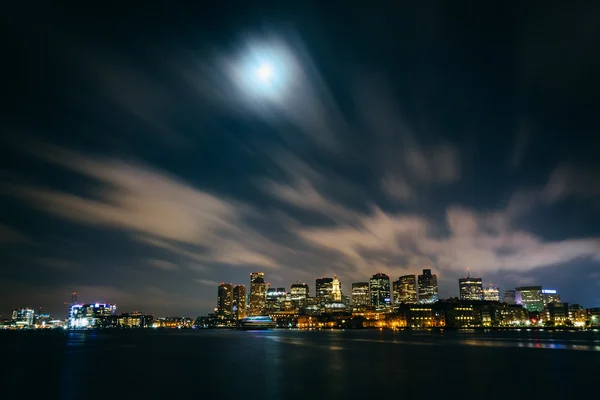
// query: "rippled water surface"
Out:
[291,364]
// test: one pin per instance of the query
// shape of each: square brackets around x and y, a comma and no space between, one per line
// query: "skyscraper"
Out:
[336,289]
[324,288]
[491,293]
[405,289]
[360,294]
[530,297]
[428,287]
[225,300]
[239,301]
[379,289]
[258,292]
[470,288]
[510,297]
[299,291]
[274,299]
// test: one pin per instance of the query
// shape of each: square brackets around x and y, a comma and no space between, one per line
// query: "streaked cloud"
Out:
[9,235]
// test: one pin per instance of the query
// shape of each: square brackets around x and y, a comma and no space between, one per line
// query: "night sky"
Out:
[142,160]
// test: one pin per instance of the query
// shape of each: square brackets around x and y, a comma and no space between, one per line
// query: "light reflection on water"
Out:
[336,344]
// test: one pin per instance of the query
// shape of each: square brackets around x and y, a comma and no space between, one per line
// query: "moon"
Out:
[265,72]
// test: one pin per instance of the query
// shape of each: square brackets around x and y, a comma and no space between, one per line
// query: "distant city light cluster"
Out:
[411,301]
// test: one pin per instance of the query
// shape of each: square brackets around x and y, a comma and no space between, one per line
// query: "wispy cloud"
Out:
[207,282]
[572,180]
[169,212]
[163,264]
[10,235]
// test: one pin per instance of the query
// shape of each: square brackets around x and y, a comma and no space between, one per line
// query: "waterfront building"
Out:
[225,300]
[510,297]
[258,293]
[405,290]
[530,297]
[593,317]
[91,315]
[135,320]
[23,317]
[428,287]
[336,290]
[491,293]
[512,315]
[379,291]
[577,315]
[360,294]
[550,296]
[555,314]
[239,301]
[470,288]
[324,287]
[424,316]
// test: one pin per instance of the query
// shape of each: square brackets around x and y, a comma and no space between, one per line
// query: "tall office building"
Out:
[23,317]
[510,297]
[239,301]
[324,288]
[258,293]
[470,288]
[550,296]
[428,287]
[360,294]
[530,297]
[225,300]
[405,290]
[336,289]
[299,291]
[275,298]
[379,290]
[491,293]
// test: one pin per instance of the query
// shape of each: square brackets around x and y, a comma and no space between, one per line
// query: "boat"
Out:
[258,323]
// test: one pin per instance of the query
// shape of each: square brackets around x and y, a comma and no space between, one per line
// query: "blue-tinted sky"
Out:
[143,160]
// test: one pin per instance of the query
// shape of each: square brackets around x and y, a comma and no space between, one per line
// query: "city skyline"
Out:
[323,288]
[142,163]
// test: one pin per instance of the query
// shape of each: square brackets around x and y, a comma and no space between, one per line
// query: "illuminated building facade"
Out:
[550,296]
[324,288]
[299,292]
[275,298]
[510,297]
[379,290]
[470,288]
[23,317]
[405,289]
[530,297]
[336,290]
[135,320]
[491,293]
[239,301]
[593,317]
[360,294]
[225,300]
[555,314]
[577,315]
[96,315]
[424,316]
[258,293]
[512,315]
[428,287]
